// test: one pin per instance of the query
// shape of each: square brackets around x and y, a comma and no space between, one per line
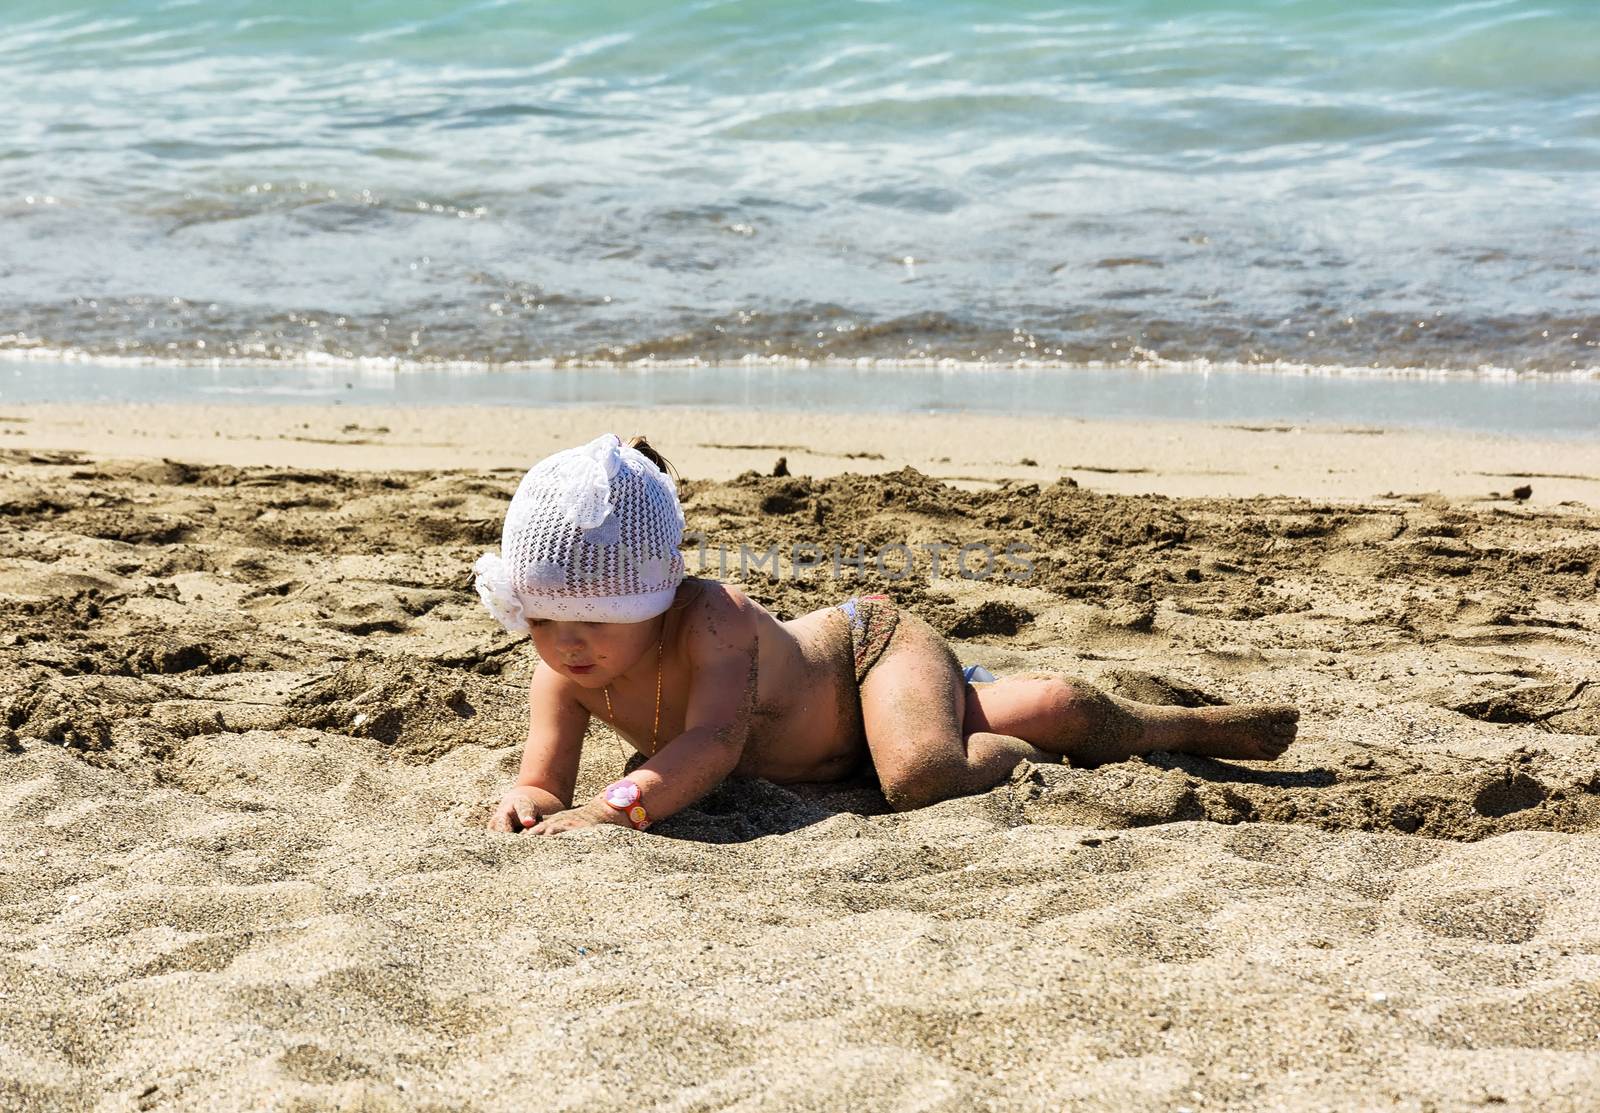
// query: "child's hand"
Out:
[592,814]
[518,810]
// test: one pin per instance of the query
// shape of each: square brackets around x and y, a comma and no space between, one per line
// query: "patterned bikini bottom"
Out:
[872,622]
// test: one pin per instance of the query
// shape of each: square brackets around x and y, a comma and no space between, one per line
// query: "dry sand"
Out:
[1116,457]
[254,719]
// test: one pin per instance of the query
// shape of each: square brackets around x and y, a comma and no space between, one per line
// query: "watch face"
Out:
[622,795]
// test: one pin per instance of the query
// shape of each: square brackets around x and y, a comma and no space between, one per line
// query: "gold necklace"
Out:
[656,726]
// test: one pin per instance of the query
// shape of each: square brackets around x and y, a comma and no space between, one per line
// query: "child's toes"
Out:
[1273,742]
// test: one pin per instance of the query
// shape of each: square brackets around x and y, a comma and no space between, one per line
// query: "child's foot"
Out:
[1251,732]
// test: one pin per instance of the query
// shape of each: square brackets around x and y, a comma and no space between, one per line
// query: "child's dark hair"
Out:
[644,449]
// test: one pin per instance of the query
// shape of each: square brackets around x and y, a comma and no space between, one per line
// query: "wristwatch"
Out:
[624,795]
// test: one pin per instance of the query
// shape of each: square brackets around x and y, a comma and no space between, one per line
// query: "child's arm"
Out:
[722,645]
[556,725]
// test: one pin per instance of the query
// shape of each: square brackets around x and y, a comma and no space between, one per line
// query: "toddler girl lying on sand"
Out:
[706,684]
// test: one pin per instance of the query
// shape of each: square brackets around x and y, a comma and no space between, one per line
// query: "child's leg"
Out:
[1091,727]
[912,705]
[930,741]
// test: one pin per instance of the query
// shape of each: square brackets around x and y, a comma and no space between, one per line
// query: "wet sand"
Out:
[255,719]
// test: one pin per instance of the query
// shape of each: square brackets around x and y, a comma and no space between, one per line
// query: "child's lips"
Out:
[580,670]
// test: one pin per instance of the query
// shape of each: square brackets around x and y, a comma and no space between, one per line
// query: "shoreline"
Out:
[1172,458]
[1537,408]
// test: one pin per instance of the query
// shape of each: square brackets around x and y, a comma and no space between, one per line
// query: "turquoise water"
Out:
[1330,184]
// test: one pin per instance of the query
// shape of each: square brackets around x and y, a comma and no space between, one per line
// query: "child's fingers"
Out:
[505,820]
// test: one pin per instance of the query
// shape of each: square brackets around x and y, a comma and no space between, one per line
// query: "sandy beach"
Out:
[255,718]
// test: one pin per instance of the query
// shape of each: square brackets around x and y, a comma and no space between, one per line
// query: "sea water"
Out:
[1292,185]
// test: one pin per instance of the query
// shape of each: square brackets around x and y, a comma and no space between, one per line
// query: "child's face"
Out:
[593,654]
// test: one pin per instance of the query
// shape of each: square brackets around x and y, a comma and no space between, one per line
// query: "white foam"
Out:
[11,351]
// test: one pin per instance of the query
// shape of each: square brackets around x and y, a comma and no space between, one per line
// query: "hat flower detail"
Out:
[584,478]
[493,581]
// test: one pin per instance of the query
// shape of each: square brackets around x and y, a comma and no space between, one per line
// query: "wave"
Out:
[480,321]
[1139,361]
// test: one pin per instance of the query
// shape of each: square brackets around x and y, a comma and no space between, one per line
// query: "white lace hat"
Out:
[592,535]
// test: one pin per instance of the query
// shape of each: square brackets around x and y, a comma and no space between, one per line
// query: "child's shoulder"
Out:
[703,592]
[702,602]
